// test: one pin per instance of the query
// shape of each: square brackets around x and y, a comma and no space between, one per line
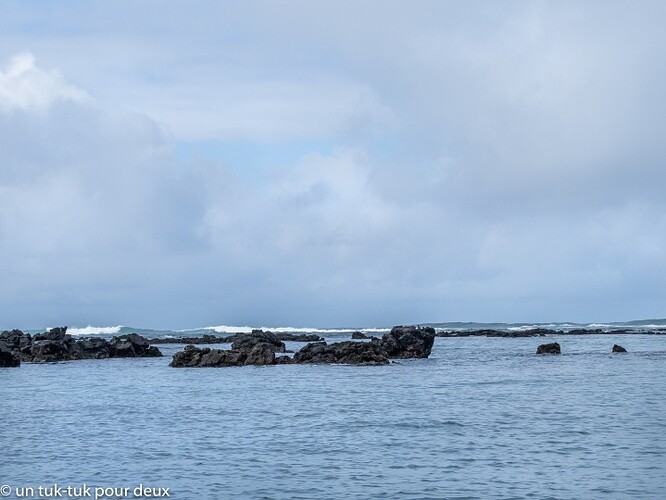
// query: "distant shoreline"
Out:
[534,332]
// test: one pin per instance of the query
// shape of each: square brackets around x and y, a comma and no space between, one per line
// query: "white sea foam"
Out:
[94,330]
[540,325]
[289,329]
[631,326]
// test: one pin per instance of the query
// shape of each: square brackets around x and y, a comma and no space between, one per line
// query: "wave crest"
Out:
[94,330]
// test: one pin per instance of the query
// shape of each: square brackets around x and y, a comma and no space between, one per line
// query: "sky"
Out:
[189,164]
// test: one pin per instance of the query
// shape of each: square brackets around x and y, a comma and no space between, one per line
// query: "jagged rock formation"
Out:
[259,348]
[57,345]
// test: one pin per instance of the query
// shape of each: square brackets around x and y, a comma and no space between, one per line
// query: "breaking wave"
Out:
[95,330]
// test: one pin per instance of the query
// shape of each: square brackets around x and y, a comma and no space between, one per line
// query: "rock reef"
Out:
[259,348]
[57,345]
[349,353]
[542,332]
[215,339]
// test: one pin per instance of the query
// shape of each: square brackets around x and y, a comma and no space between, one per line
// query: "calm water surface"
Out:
[482,418]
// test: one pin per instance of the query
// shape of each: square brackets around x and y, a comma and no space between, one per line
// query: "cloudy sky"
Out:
[185,164]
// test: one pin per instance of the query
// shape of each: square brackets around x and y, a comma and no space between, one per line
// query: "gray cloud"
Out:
[490,161]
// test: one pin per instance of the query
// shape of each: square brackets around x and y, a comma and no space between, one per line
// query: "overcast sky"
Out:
[185,164]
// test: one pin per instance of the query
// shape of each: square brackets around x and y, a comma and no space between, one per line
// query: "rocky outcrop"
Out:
[259,348]
[359,336]
[132,346]
[194,357]
[618,348]
[245,342]
[57,345]
[259,354]
[408,342]
[256,348]
[350,353]
[7,358]
[214,339]
[553,348]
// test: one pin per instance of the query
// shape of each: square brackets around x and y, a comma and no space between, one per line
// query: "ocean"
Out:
[482,418]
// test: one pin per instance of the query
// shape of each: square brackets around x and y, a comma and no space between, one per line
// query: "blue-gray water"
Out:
[481,418]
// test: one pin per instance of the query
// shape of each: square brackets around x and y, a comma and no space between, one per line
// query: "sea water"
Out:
[481,418]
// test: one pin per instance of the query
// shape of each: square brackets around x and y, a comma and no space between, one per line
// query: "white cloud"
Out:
[25,86]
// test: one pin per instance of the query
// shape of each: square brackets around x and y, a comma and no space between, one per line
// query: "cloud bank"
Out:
[488,162]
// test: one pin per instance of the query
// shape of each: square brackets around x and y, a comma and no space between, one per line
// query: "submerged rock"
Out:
[618,348]
[553,348]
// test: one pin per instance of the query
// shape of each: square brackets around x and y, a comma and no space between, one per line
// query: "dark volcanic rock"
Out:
[195,357]
[584,331]
[17,342]
[132,346]
[245,342]
[408,342]
[205,339]
[259,348]
[259,354]
[532,332]
[359,336]
[56,345]
[553,348]
[256,348]
[352,353]
[242,337]
[94,348]
[618,348]
[301,337]
[13,339]
[55,334]
[7,358]
[44,351]
[283,360]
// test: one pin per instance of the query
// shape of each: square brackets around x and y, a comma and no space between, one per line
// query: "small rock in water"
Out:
[553,348]
[618,348]
[408,342]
